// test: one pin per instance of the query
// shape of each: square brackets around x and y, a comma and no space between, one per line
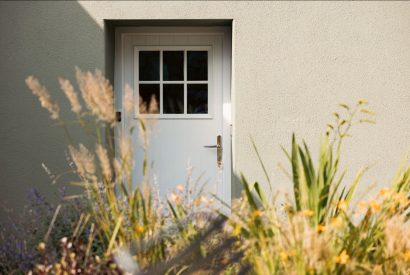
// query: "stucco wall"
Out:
[293,62]
[46,40]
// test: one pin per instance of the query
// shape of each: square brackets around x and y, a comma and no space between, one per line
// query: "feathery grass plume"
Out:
[315,234]
[128,101]
[70,94]
[126,154]
[43,96]
[397,234]
[84,162]
[126,214]
[104,161]
[118,170]
[153,105]
[142,106]
[125,148]
[98,95]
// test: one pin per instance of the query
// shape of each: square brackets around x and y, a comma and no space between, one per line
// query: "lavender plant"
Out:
[21,234]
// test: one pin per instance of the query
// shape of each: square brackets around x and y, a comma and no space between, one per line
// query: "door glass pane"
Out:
[197,99]
[148,65]
[149,98]
[173,65]
[173,98]
[197,65]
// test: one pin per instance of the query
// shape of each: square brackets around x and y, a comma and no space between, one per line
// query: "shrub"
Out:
[323,232]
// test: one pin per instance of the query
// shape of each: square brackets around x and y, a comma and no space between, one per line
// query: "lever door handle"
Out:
[212,146]
[218,148]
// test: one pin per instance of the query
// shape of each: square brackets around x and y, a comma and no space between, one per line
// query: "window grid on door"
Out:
[187,84]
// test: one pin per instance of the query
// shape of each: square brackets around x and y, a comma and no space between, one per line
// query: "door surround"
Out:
[225,33]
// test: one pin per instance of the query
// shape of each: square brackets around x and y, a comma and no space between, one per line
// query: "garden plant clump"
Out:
[124,227]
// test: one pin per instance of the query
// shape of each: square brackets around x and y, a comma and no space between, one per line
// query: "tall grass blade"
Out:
[53,220]
[295,173]
[265,172]
[114,234]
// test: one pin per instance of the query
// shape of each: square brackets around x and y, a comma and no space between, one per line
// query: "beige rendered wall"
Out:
[292,63]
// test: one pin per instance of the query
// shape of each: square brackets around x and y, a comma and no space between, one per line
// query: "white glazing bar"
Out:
[136,98]
[149,82]
[185,83]
[173,82]
[160,84]
[197,82]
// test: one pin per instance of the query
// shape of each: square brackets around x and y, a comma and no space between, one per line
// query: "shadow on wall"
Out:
[47,40]
[237,186]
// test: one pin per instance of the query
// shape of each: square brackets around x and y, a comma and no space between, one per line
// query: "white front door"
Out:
[185,73]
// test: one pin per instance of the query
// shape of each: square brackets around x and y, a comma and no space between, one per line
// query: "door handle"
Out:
[211,146]
[218,148]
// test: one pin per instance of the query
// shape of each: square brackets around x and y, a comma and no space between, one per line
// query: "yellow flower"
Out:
[401,199]
[256,213]
[57,268]
[321,228]
[201,199]
[292,252]
[385,192]
[139,229]
[204,199]
[180,188]
[407,255]
[41,246]
[236,230]
[343,258]
[210,202]
[377,269]
[362,207]
[337,222]
[308,213]
[342,205]
[375,206]
[197,201]
[284,256]
[174,197]
[41,268]
[63,263]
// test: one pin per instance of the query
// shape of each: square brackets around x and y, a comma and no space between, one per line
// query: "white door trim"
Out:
[224,192]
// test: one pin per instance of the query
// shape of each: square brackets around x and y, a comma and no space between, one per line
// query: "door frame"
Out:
[226,34]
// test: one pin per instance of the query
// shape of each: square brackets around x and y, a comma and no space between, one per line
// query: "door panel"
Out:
[190,109]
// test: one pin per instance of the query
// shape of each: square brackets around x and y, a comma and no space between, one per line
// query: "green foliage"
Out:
[319,189]
[133,231]
[322,231]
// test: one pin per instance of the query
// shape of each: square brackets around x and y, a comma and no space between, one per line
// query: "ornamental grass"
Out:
[124,227]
